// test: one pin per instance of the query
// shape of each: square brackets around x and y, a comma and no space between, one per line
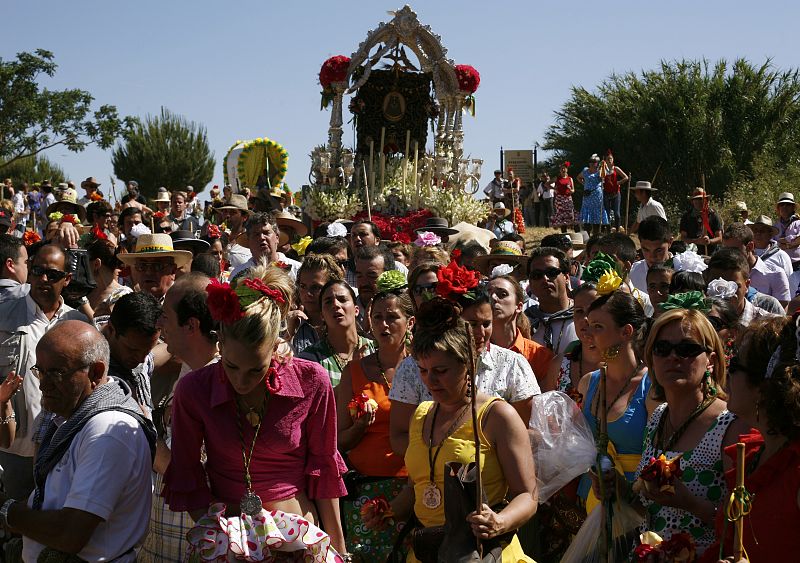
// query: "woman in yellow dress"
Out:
[441,431]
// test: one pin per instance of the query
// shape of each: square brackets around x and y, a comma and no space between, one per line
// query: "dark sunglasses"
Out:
[426,288]
[52,274]
[551,273]
[684,349]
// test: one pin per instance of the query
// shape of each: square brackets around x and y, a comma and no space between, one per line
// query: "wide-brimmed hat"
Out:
[699,193]
[437,225]
[162,195]
[158,245]
[90,182]
[786,197]
[767,222]
[68,205]
[237,202]
[501,206]
[286,220]
[642,185]
[504,252]
[740,206]
[186,240]
[468,232]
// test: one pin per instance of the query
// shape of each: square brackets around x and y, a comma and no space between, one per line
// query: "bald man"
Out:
[23,322]
[92,472]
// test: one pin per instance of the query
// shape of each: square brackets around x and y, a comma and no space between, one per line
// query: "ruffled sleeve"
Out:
[185,481]
[324,465]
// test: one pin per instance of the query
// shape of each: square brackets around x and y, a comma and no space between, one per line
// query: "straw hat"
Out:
[468,232]
[68,205]
[786,197]
[237,202]
[766,221]
[642,185]
[504,252]
[287,221]
[157,245]
[163,195]
[501,206]
[699,193]
[90,182]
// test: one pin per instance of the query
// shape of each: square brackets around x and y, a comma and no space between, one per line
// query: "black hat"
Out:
[437,225]
[185,240]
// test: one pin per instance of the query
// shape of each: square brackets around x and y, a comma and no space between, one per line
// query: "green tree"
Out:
[165,150]
[685,124]
[34,169]
[33,119]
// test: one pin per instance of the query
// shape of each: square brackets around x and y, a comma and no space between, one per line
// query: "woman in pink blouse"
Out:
[267,422]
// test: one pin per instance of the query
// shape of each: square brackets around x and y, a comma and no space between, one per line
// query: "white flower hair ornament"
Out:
[336,230]
[689,261]
[722,289]
[501,270]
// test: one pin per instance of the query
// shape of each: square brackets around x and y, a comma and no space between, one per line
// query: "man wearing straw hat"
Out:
[91,186]
[767,249]
[701,225]
[236,212]
[648,207]
[499,223]
[788,224]
[154,263]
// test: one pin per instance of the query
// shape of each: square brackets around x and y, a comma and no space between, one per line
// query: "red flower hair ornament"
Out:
[455,282]
[213,231]
[227,305]
[30,237]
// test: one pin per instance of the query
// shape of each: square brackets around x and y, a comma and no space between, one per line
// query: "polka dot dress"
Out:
[703,475]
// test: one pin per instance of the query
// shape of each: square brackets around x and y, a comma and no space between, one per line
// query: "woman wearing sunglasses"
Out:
[687,364]
[616,324]
[764,385]
[422,282]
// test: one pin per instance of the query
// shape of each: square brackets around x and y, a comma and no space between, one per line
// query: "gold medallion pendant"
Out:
[431,496]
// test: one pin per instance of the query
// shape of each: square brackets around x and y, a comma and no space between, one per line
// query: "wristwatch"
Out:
[4,512]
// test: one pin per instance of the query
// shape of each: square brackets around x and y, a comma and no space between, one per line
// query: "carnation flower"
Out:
[455,281]
[425,238]
[336,230]
[391,280]
[722,288]
[139,230]
[688,261]
[223,303]
[501,270]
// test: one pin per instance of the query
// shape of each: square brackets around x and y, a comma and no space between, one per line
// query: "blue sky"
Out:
[248,69]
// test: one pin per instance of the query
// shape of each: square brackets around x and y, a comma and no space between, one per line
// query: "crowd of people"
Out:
[183,383]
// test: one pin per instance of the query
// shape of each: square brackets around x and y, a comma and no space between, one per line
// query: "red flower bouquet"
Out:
[455,281]
[334,70]
[213,232]
[95,197]
[659,475]
[69,218]
[379,508]
[159,215]
[358,405]
[468,78]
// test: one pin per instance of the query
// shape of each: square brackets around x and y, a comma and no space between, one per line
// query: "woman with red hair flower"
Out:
[267,422]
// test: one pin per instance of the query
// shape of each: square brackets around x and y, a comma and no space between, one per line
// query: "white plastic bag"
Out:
[562,442]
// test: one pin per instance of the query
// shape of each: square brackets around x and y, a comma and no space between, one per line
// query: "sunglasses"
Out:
[425,288]
[52,274]
[684,349]
[551,273]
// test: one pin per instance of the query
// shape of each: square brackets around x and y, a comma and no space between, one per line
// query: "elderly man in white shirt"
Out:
[643,192]
[92,472]
[262,239]
[494,190]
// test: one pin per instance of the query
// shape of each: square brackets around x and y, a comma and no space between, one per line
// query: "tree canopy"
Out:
[165,150]
[34,169]
[33,119]
[688,120]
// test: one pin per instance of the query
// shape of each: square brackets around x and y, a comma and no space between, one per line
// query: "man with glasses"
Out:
[154,264]
[551,320]
[23,322]
[92,472]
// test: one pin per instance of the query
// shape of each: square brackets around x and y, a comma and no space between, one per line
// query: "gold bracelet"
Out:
[7,419]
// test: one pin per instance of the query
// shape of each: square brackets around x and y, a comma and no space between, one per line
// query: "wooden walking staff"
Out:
[476,436]
[628,202]
[602,447]
[738,530]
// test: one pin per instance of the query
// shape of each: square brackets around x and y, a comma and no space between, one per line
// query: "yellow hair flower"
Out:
[608,282]
[301,245]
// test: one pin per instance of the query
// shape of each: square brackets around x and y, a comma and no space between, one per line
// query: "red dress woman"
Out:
[564,215]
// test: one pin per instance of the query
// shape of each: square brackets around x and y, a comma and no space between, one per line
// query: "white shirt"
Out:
[752,313]
[652,207]
[19,203]
[494,189]
[546,191]
[563,335]
[105,472]
[501,373]
[778,258]
[638,275]
[770,279]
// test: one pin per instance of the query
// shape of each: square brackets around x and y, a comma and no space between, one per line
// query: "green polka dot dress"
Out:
[703,475]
